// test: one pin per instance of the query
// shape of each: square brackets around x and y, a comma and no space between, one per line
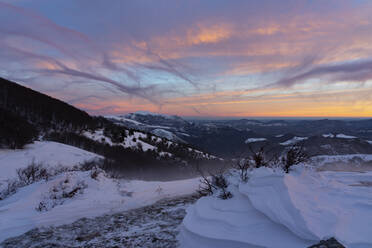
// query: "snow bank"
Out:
[293,141]
[340,136]
[252,140]
[46,152]
[344,136]
[18,212]
[275,210]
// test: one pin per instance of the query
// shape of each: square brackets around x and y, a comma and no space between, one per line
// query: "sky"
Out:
[238,58]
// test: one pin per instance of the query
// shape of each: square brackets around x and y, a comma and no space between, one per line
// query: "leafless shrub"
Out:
[205,186]
[293,156]
[32,173]
[213,183]
[11,187]
[242,165]
[220,182]
[57,195]
[95,171]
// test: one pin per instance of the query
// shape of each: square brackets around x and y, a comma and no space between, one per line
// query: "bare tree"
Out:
[213,183]
[293,156]
[242,165]
[205,187]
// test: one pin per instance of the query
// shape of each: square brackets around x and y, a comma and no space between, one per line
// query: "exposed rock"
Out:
[329,243]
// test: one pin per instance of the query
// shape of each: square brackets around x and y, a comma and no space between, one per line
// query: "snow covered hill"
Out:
[278,210]
[145,141]
[167,126]
[72,193]
[52,154]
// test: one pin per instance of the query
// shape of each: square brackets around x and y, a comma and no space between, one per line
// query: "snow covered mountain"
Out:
[228,138]
[167,126]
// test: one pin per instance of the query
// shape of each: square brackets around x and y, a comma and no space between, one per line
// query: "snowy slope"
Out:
[252,140]
[276,210]
[46,152]
[131,141]
[293,141]
[134,141]
[103,195]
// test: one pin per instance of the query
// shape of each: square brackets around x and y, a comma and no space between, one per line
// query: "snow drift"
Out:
[274,210]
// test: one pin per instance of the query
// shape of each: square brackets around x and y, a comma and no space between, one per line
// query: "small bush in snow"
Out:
[221,184]
[11,187]
[95,171]
[32,173]
[242,165]
[59,193]
[258,157]
[293,156]
[214,184]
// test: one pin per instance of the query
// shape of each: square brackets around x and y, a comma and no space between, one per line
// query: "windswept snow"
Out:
[46,152]
[101,196]
[344,136]
[252,140]
[275,210]
[340,136]
[293,141]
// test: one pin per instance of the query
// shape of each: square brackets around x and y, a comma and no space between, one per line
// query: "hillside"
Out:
[40,109]
[28,115]
[235,138]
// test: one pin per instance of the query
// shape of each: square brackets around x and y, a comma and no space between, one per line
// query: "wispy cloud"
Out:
[188,57]
[355,71]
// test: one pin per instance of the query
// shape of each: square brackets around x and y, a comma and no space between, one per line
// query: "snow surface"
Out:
[293,141]
[328,135]
[166,134]
[323,159]
[275,210]
[344,136]
[340,136]
[49,153]
[252,140]
[104,195]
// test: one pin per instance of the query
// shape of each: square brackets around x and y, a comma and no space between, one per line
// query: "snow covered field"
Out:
[79,194]
[46,152]
[272,209]
[277,210]
[102,195]
[153,226]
